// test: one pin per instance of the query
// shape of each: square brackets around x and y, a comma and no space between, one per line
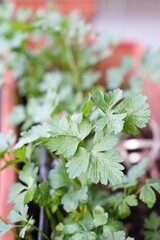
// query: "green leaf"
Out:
[32,187]
[42,194]
[71,228]
[78,164]
[151,235]
[138,115]
[120,235]
[151,225]
[58,177]
[71,200]
[103,143]
[101,167]
[5,228]
[105,167]
[89,78]
[35,133]
[100,216]
[154,183]
[6,142]
[107,101]
[84,236]
[19,214]
[112,226]
[74,126]
[152,222]
[133,174]
[98,164]
[15,190]
[10,163]
[3,145]
[87,108]
[115,122]
[65,145]
[87,221]
[29,171]
[137,171]
[122,205]
[20,153]
[67,134]
[115,77]
[23,231]
[148,196]
[131,113]
[18,115]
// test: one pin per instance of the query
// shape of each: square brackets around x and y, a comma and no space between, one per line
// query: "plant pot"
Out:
[86,7]
[7,176]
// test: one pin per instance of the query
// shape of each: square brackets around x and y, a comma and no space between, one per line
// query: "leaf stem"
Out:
[50,217]
[59,215]
[73,68]
[71,63]
[138,191]
[42,233]
[12,230]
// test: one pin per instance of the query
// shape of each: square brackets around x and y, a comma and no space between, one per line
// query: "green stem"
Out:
[73,68]
[138,191]
[42,233]
[71,63]
[51,218]
[59,215]
[12,230]
[125,191]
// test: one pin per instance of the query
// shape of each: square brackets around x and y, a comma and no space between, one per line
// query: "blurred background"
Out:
[136,20]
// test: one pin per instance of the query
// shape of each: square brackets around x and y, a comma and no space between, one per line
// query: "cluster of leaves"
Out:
[86,155]
[152,227]
[46,53]
[52,57]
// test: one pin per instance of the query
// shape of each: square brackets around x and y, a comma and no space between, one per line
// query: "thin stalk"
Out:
[51,219]
[12,230]
[138,191]
[59,215]
[42,233]
[72,64]
[73,68]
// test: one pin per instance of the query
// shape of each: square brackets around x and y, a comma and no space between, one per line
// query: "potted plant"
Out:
[70,173]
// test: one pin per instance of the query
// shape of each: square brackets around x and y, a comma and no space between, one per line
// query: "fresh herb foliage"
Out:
[86,193]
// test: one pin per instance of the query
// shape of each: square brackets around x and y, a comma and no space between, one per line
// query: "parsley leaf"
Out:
[137,112]
[120,235]
[5,228]
[20,213]
[147,194]
[128,114]
[35,133]
[58,177]
[122,205]
[71,200]
[67,133]
[5,143]
[97,163]
[100,216]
